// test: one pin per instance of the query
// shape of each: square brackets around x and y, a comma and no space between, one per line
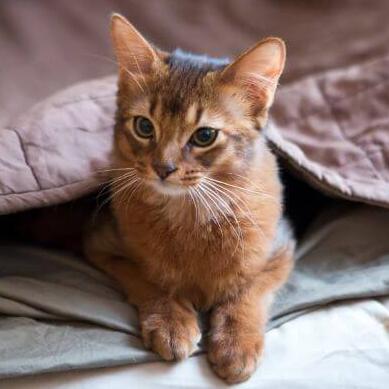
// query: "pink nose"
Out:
[164,169]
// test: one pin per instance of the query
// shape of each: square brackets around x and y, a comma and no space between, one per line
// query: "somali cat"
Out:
[196,212]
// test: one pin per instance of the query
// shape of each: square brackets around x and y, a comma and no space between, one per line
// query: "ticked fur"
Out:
[208,237]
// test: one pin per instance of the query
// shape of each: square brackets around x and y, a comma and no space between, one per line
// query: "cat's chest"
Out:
[190,251]
[182,240]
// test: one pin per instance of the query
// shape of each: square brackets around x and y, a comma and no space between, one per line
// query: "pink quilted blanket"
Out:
[333,129]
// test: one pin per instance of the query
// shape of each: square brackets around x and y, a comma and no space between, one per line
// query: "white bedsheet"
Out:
[341,346]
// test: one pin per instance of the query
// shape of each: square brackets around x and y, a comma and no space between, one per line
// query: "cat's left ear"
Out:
[135,56]
[256,72]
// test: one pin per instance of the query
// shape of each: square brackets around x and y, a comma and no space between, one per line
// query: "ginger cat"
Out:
[196,212]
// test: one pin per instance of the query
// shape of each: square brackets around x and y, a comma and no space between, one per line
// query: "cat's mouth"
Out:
[168,187]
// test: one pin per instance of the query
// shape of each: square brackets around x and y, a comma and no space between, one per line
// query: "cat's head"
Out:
[184,119]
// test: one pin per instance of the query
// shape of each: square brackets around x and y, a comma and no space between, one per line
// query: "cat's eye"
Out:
[204,137]
[143,127]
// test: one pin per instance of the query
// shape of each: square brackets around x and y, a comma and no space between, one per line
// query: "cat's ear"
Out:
[135,56]
[255,73]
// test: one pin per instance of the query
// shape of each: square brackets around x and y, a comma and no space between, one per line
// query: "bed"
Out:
[63,323]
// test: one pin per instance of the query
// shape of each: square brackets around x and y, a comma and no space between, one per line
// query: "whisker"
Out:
[238,233]
[122,177]
[112,182]
[234,199]
[107,184]
[124,190]
[123,187]
[193,199]
[240,188]
[201,194]
[115,169]
[228,193]
[132,193]
[251,183]
[117,182]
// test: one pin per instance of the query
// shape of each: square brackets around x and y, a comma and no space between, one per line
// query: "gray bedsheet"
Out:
[58,313]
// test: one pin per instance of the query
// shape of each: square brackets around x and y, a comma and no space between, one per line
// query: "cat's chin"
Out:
[168,189]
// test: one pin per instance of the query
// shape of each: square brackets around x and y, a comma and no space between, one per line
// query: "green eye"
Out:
[204,137]
[143,127]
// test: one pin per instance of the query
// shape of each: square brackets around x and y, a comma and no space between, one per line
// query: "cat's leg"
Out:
[169,325]
[236,337]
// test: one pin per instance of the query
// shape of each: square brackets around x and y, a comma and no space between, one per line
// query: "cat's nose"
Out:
[164,169]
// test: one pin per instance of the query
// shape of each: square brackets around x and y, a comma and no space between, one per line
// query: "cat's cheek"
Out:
[129,149]
[216,157]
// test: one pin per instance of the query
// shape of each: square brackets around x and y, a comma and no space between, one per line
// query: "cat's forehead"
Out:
[184,83]
[192,113]
[181,92]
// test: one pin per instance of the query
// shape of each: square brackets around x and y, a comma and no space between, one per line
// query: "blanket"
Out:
[332,129]
[42,329]
[52,153]
[329,128]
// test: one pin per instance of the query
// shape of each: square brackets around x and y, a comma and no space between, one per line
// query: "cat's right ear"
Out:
[135,56]
[255,73]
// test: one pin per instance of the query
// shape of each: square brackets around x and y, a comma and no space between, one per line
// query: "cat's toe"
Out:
[234,361]
[173,337]
[174,343]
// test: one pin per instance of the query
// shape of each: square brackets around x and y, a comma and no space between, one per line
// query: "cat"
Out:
[195,222]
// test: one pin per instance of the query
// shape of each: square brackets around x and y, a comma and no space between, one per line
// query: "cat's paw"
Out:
[171,331]
[234,357]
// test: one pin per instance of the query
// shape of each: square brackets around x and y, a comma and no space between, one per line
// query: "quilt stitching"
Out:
[320,110]
[25,156]
[341,131]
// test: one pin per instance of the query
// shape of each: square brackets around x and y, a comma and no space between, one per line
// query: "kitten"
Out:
[196,210]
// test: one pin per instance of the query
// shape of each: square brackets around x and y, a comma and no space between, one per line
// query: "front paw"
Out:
[170,329]
[234,357]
